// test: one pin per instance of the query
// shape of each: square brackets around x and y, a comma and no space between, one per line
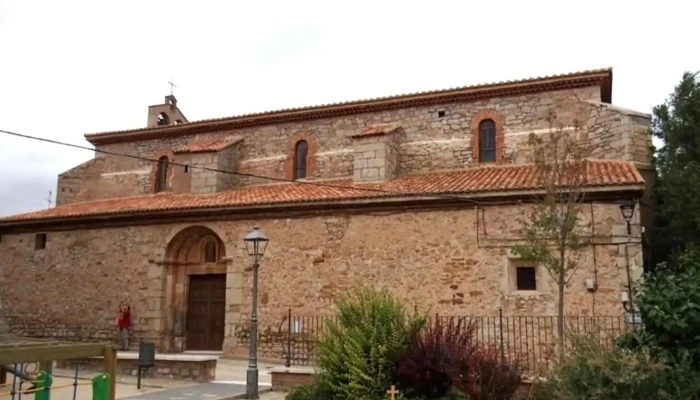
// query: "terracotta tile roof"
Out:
[203,147]
[470,181]
[378,130]
[601,77]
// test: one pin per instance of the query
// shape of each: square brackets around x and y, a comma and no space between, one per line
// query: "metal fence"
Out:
[526,340]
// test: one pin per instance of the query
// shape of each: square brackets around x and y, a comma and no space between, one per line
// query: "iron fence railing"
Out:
[527,340]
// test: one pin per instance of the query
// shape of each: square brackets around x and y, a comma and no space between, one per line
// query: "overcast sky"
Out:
[73,67]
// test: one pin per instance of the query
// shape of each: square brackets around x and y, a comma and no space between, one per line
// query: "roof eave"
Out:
[166,216]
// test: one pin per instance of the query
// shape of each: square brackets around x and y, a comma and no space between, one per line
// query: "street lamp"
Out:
[627,210]
[255,245]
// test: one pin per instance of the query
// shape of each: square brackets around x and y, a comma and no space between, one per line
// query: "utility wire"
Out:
[247,175]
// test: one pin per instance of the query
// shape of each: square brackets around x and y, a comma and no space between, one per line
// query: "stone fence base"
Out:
[184,367]
[285,379]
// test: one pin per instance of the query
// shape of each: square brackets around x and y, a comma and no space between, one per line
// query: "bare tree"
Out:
[551,234]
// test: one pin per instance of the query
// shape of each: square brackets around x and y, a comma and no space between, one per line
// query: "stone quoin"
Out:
[168,237]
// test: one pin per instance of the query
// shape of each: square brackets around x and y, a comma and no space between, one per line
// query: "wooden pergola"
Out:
[17,350]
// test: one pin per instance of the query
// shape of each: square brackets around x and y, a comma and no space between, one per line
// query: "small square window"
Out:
[40,241]
[441,114]
[526,278]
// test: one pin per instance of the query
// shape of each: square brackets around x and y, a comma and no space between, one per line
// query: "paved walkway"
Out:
[83,390]
[208,391]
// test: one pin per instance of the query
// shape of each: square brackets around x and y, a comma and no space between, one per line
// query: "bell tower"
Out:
[165,114]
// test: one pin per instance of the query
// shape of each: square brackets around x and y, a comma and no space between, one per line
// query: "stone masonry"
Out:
[433,259]
[451,259]
[434,139]
[375,156]
[193,371]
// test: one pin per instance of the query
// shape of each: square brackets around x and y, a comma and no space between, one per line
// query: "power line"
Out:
[247,175]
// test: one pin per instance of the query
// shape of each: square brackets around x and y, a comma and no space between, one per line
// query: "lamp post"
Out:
[255,245]
[627,210]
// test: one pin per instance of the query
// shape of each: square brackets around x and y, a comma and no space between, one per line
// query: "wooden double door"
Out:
[206,312]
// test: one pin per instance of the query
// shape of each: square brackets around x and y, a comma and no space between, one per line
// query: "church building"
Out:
[419,194]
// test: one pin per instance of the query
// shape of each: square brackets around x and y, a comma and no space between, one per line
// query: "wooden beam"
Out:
[27,354]
[26,344]
[110,367]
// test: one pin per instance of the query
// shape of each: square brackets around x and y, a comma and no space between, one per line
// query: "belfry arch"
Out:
[195,291]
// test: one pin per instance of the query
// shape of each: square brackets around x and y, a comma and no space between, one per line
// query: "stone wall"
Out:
[203,180]
[433,259]
[227,161]
[210,180]
[72,288]
[193,371]
[375,158]
[435,138]
[618,133]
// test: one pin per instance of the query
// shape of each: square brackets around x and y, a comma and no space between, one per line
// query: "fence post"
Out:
[500,331]
[288,361]
[43,386]
[100,387]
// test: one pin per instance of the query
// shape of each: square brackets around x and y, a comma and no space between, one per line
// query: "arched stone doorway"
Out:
[195,291]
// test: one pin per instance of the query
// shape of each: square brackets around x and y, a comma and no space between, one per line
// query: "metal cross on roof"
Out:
[172,85]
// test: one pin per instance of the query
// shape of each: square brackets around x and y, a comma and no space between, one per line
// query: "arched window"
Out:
[210,250]
[162,119]
[300,153]
[487,141]
[162,174]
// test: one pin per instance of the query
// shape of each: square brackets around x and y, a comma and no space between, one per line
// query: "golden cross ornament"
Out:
[392,392]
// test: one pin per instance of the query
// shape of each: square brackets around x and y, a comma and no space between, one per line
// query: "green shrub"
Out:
[669,301]
[311,391]
[589,371]
[357,352]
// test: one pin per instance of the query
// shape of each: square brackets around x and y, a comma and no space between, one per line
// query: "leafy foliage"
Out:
[590,371]
[550,233]
[357,353]
[669,300]
[312,391]
[435,357]
[490,377]
[677,123]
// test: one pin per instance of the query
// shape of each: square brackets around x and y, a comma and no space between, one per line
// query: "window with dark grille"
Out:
[162,176]
[40,241]
[300,153]
[526,278]
[487,141]
[210,251]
